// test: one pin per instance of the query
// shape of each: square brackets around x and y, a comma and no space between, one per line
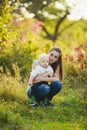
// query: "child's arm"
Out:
[31,80]
[47,74]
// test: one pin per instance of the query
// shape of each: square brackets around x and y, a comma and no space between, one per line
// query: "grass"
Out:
[17,114]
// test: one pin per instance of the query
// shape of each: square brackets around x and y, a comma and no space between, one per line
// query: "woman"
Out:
[45,93]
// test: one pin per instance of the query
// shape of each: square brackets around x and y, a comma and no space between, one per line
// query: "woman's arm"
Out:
[47,74]
[40,78]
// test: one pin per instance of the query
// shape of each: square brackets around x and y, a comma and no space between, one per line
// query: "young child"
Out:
[42,68]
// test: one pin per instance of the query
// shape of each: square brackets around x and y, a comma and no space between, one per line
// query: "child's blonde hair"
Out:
[43,55]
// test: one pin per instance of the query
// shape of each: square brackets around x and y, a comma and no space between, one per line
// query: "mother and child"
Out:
[46,78]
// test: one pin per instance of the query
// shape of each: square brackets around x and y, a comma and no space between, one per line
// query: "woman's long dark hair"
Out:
[58,63]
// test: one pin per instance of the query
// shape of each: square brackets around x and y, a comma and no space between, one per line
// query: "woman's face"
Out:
[53,56]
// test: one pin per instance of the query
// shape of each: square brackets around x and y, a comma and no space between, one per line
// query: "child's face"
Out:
[44,61]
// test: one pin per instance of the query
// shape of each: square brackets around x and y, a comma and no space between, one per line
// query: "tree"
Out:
[42,10]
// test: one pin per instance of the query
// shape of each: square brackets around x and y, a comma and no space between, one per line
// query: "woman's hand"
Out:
[40,78]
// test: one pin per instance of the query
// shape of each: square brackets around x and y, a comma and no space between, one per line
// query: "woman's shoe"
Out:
[42,104]
[50,104]
[32,99]
[35,104]
[45,101]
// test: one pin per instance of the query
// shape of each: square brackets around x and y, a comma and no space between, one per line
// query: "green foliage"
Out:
[76,63]
[21,43]
[22,46]
[4,19]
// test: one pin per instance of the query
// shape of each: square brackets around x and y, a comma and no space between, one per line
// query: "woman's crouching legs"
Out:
[55,88]
[42,91]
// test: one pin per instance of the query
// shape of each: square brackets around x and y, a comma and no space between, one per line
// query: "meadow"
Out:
[21,41]
[16,113]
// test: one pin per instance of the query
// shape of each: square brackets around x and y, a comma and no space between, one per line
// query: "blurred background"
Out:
[28,28]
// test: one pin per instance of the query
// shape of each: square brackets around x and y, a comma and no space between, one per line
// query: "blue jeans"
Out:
[48,91]
[55,88]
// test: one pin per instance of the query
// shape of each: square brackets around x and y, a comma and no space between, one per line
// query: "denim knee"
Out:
[43,90]
[57,85]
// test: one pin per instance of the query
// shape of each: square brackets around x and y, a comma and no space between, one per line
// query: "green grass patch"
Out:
[16,113]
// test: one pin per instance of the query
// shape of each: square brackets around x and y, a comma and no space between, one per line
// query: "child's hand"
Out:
[30,83]
[50,74]
[47,74]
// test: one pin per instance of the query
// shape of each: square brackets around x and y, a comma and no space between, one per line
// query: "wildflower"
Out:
[23,38]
